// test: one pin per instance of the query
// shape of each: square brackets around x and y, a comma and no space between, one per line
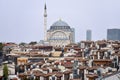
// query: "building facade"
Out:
[60,34]
[88,35]
[113,34]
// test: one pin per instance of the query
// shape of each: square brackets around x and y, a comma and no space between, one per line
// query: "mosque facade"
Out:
[59,34]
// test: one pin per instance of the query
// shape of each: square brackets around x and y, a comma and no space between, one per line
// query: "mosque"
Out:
[59,34]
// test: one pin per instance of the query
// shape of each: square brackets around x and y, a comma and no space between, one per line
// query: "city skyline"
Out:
[23,21]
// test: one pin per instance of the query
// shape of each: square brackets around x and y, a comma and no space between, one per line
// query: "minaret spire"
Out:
[45,23]
[45,7]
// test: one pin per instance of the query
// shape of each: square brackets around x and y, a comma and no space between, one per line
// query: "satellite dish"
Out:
[108,69]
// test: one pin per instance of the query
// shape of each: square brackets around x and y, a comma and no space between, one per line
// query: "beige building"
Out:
[22,61]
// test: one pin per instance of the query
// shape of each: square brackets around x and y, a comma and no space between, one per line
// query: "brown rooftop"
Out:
[92,75]
[83,67]
[108,60]
[93,68]
[75,79]
[68,72]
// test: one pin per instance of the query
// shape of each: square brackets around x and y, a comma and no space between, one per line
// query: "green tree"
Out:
[1,46]
[25,78]
[5,72]
[22,43]
[33,43]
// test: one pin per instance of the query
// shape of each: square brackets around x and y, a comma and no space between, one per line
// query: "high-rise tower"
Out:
[89,35]
[113,34]
[45,22]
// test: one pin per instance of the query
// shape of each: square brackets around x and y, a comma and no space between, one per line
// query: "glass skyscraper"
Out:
[113,34]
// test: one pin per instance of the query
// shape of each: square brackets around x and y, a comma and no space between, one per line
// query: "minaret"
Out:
[45,23]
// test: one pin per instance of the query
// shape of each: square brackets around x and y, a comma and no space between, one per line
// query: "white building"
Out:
[113,76]
[60,34]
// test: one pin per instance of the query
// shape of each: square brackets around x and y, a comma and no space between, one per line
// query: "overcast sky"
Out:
[22,20]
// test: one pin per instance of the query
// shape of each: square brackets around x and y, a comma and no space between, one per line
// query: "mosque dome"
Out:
[60,25]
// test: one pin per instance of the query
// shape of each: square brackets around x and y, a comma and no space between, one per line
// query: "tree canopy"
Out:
[5,72]
[22,43]
[33,43]
[1,46]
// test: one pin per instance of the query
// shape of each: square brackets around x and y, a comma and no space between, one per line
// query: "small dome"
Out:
[59,25]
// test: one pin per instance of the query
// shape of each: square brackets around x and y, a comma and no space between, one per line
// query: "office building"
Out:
[113,34]
[88,35]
